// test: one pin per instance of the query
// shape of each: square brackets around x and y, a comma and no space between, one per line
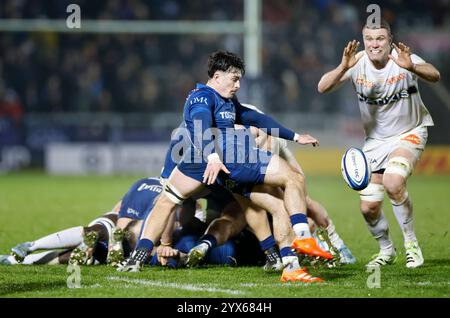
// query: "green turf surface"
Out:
[33,205]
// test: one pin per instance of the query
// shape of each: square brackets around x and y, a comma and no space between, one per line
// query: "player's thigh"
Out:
[405,153]
[184,185]
[279,173]
[401,162]
[123,222]
[256,217]
[267,197]
[251,210]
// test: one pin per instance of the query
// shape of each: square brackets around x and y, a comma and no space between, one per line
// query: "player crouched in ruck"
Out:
[107,239]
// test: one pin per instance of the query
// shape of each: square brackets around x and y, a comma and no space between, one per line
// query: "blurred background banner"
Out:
[104,98]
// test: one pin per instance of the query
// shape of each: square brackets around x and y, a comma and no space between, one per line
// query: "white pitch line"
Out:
[93,286]
[427,283]
[189,287]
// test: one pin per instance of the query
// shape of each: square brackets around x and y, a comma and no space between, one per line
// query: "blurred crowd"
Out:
[77,72]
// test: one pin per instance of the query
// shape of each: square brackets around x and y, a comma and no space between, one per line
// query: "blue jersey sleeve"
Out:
[201,114]
[247,116]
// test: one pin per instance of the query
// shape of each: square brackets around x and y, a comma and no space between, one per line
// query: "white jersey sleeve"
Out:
[388,98]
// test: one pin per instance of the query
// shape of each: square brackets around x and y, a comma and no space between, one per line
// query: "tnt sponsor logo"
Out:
[412,139]
[227,115]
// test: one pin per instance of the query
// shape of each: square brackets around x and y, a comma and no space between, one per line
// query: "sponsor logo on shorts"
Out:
[132,212]
[150,187]
[412,139]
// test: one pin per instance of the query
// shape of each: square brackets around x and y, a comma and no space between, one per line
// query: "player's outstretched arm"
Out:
[334,78]
[425,71]
[251,117]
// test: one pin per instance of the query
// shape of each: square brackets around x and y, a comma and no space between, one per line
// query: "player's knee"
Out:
[395,186]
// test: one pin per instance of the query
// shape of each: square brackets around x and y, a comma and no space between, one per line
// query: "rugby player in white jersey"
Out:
[385,77]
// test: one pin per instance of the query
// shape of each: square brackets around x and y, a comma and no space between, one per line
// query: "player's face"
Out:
[228,83]
[377,45]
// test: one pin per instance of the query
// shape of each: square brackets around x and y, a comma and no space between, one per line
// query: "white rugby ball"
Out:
[355,169]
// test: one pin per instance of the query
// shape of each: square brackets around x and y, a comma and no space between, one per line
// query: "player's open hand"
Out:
[306,140]
[349,58]
[215,165]
[404,56]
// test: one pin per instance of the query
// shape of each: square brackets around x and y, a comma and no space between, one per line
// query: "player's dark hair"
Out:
[383,25]
[224,61]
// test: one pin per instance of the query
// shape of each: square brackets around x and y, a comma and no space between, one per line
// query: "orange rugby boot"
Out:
[309,246]
[299,275]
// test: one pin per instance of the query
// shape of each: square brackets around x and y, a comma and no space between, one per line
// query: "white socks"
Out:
[301,230]
[68,238]
[380,231]
[334,236]
[403,211]
[290,263]
[44,258]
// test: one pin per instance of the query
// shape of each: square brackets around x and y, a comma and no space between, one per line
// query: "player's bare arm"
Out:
[425,71]
[334,78]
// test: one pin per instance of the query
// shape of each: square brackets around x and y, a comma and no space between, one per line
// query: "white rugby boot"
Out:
[414,257]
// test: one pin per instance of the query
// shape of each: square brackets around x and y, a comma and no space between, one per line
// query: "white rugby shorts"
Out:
[377,151]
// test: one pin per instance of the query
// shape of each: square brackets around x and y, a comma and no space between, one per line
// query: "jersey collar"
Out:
[199,85]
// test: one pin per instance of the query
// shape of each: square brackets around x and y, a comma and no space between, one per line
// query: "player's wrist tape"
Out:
[296,136]
[214,157]
[165,243]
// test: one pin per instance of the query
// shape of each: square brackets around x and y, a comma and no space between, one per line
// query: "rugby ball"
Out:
[355,169]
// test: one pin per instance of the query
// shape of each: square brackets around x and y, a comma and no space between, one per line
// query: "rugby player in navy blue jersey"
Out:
[101,240]
[213,109]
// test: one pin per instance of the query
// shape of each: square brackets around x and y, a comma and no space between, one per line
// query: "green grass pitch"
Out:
[34,204]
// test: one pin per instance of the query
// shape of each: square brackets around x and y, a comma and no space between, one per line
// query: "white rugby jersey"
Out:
[388,99]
